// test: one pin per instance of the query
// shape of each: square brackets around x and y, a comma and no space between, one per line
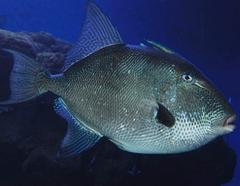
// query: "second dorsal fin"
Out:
[97,33]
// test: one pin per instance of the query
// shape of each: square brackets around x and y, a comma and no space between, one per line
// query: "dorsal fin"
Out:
[155,45]
[97,33]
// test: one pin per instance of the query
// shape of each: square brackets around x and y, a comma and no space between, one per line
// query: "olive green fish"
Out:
[145,99]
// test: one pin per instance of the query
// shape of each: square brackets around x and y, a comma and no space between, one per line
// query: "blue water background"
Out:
[205,32]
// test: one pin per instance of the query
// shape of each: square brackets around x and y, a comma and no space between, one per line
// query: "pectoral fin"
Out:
[78,138]
[164,116]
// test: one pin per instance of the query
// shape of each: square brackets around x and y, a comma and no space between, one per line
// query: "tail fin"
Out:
[23,77]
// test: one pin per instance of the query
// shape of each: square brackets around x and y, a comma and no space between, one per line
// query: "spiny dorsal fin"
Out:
[159,46]
[97,33]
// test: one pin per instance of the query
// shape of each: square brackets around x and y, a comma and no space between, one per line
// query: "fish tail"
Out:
[25,77]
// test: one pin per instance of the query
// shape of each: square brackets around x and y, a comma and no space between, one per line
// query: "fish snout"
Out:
[229,123]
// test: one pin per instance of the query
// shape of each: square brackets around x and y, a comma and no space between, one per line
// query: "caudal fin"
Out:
[23,77]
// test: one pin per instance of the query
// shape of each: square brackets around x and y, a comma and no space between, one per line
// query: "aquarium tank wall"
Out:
[204,32]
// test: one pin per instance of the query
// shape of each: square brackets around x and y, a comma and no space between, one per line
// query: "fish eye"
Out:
[187,77]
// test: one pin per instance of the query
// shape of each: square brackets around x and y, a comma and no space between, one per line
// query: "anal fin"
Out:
[78,138]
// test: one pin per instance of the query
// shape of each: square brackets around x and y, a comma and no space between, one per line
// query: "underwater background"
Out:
[205,32]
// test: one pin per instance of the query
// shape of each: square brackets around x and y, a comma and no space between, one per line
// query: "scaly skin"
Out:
[116,92]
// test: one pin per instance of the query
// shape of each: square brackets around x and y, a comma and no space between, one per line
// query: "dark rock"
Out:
[5,69]
[19,42]
[52,61]
[41,46]
[61,47]
[42,37]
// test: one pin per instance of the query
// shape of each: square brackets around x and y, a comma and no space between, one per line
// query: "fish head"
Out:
[192,109]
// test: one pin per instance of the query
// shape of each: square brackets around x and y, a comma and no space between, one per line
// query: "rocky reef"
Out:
[30,135]
[41,46]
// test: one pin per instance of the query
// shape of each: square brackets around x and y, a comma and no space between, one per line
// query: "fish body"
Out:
[117,92]
[145,99]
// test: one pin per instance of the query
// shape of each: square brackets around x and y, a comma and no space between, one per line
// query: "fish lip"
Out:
[228,123]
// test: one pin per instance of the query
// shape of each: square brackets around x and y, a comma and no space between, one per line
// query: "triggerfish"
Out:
[144,98]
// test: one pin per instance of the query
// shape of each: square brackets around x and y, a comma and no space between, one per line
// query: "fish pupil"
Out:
[187,77]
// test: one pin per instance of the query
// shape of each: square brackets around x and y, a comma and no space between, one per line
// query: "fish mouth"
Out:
[229,123]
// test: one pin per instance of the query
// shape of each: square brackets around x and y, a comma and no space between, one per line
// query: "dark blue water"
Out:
[206,32]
